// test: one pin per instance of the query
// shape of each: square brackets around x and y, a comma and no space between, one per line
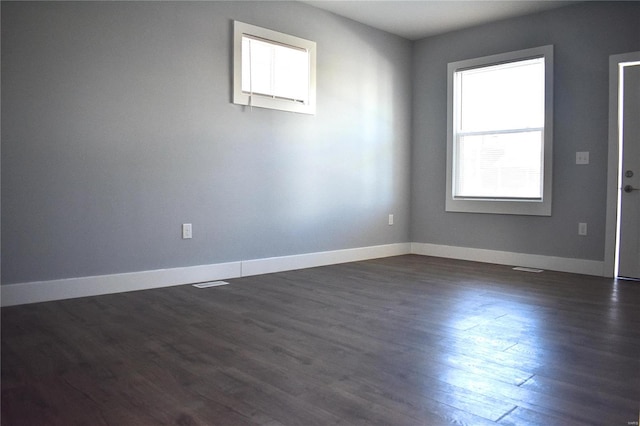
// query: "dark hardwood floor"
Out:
[408,340]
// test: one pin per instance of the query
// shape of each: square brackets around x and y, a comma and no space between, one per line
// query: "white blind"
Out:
[274,69]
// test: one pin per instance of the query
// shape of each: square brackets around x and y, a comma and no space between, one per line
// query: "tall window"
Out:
[273,70]
[499,144]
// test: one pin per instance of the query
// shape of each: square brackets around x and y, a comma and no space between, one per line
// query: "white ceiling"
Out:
[416,19]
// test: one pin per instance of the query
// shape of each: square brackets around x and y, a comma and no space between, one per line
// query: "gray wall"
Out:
[584,36]
[117,127]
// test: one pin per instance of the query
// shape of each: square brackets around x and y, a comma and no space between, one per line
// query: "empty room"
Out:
[320,212]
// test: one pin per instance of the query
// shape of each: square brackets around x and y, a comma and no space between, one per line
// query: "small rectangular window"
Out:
[499,143]
[273,70]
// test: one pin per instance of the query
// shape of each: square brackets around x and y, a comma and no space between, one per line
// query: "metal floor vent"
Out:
[523,269]
[210,284]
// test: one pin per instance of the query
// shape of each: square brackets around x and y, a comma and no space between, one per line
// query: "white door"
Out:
[629,243]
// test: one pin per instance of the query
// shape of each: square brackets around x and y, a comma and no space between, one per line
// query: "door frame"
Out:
[613,168]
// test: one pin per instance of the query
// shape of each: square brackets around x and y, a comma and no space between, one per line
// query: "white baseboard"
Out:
[69,288]
[312,260]
[43,291]
[561,264]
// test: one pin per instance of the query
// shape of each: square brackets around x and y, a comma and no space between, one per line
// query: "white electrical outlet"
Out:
[582,157]
[582,228]
[187,231]
[390,219]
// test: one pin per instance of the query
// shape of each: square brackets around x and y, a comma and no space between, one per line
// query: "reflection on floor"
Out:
[408,340]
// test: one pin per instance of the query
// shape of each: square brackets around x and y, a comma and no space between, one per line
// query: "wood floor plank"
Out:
[407,340]
[523,416]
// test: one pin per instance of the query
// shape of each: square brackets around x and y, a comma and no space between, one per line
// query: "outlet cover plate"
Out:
[582,157]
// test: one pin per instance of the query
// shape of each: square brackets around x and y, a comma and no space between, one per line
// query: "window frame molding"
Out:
[263,101]
[541,207]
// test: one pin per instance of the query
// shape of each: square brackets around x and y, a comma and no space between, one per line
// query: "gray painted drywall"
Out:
[117,127]
[584,36]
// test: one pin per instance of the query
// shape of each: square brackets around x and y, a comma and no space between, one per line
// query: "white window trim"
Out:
[243,98]
[504,206]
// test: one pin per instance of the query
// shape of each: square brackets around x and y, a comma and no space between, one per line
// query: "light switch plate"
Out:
[187,231]
[582,229]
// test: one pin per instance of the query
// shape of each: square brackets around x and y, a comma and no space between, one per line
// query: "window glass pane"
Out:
[501,97]
[506,165]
